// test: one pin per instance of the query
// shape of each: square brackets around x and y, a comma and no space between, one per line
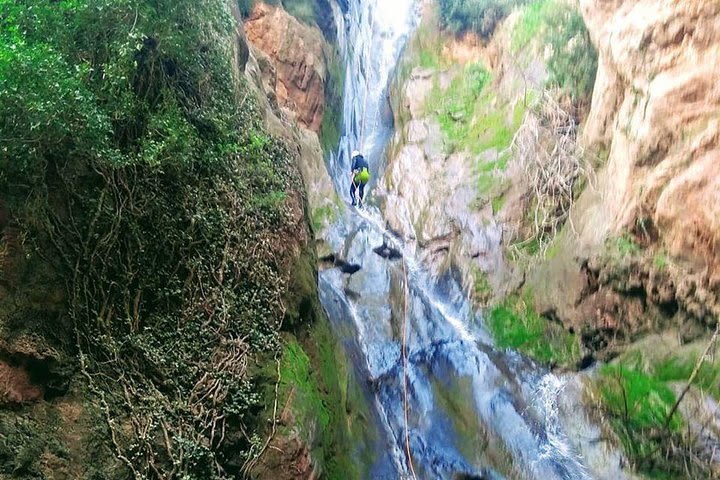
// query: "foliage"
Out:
[245,7]
[679,369]
[480,16]
[573,62]
[637,395]
[514,324]
[136,166]
[532,22]
[625,246]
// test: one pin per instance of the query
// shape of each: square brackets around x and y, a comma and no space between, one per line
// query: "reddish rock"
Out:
[296,52]
[16,387]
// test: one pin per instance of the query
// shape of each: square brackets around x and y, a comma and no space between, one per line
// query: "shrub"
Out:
[480,16]
[573,62]
[637,397]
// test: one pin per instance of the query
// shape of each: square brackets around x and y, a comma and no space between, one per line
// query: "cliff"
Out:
[156,253]
[654,116]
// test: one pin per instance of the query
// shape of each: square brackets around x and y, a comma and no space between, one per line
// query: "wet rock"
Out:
[470,476]
[345,267]
[388,252]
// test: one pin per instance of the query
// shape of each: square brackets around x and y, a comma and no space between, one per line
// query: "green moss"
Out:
[531,22]
[514,324]
[332,117]
[661,260]
[625,246]
[483,289]
[474,120]
[298,382]
[498,203]
[323,216]
[342,435]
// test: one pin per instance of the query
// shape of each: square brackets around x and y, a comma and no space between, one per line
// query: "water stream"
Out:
[473,411]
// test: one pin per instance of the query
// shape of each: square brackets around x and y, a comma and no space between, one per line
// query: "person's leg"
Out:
[352,193]
[362,194]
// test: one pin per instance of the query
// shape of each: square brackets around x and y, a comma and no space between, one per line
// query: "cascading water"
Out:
[471,410]
[372,36]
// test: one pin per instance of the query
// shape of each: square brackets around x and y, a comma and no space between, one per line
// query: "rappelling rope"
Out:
[362,132]
[406,406]
[364,116]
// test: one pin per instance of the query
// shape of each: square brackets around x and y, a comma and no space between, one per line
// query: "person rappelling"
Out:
[359,177]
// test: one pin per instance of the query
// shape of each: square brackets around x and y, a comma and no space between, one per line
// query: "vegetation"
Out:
[307,11]
[514,324]
[625,246]
[636,393]
[136,168]
[325,215]
[472,119]
[299,384]
[480,16]
[483,290]
[334,91]
[661,260]
[572,63]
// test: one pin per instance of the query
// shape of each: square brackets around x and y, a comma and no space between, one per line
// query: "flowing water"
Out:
[472,411]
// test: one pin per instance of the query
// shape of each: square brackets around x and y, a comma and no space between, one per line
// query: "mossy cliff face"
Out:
[295,71]
[152,268]
[449,154]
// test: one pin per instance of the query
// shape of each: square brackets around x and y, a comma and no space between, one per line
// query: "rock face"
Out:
[295,51]
[432,192]
[656,116]
[292,60]
[656,110]
[432,195]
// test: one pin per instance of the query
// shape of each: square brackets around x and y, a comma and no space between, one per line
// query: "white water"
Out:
[474,411]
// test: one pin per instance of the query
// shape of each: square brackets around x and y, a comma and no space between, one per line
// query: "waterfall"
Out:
[472,410]
[371,36]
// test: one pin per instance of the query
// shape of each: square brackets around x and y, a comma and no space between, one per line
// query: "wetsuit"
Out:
[361,176]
